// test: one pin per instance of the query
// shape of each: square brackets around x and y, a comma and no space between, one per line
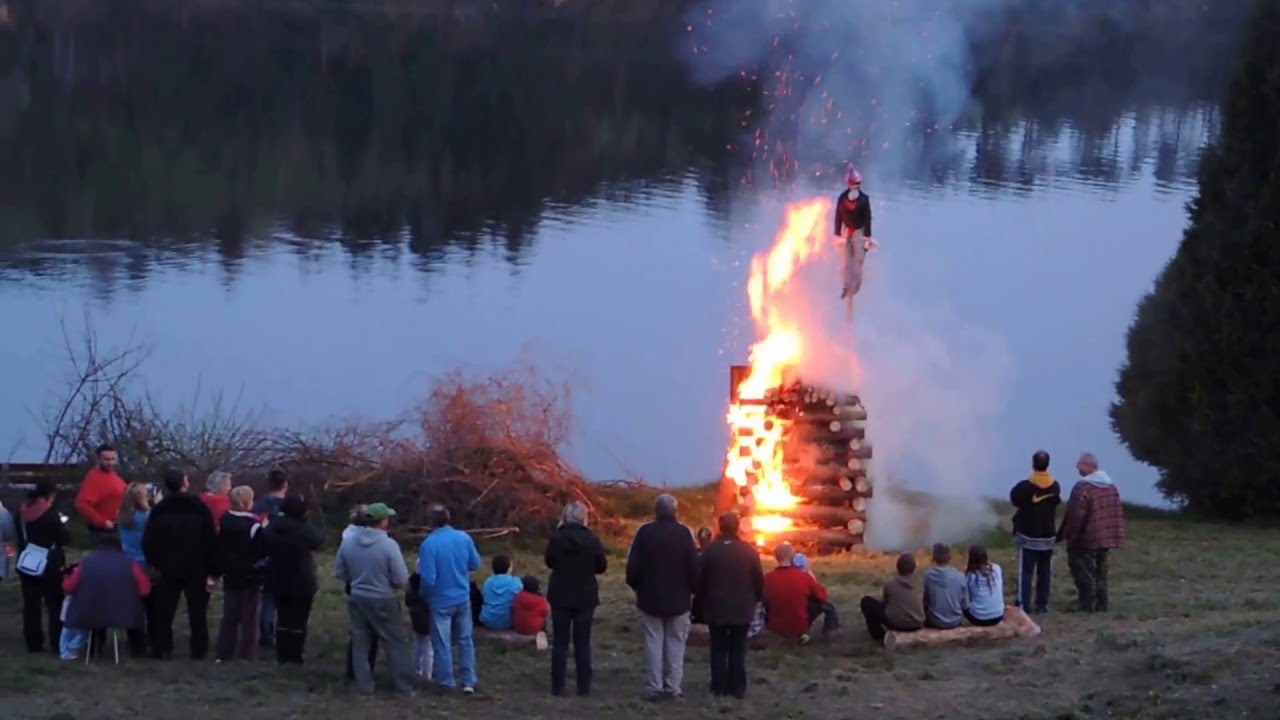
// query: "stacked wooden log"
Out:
[825,457]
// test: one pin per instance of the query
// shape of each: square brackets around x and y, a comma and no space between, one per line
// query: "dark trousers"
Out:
[830,618]
[41,600]
[981,623]
[373,656]
[267,621]
[729,660]
[292,615]
[239,627]
[137,641]
[1037,564]
[873,611]
[1089,570]
[167,591]
[568,624]
[477,604]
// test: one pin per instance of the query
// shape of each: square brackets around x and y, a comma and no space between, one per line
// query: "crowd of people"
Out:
[153,546]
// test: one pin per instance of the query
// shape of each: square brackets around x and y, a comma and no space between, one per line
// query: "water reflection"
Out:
[230,130]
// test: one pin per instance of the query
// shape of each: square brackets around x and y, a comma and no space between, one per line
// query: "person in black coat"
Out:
[662,569]
[242,556]
[44,528]
[291,575]
[730,584]
[180,543]
[575,557]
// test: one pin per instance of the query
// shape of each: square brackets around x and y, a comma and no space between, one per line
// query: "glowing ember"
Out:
[755,458]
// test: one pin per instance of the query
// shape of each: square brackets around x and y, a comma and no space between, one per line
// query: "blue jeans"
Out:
[449,626]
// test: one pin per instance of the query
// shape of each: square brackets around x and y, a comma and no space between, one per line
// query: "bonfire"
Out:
[795,468]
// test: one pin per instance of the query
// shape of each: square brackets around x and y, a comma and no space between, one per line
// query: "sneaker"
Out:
[468,690]
[805,639]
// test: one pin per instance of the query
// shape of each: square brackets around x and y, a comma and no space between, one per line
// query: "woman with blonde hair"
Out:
[575,557]
[131,520]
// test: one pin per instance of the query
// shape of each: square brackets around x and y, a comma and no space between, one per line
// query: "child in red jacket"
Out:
[529,609]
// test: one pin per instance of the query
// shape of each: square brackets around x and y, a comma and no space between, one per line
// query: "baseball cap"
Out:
[378,511]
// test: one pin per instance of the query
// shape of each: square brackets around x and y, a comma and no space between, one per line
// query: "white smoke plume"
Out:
[867,83]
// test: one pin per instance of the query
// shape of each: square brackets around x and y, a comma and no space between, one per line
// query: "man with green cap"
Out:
[372,563]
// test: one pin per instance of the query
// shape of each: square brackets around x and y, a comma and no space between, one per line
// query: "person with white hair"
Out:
[1092,527]
[216,496]
[662,569]
[575,556]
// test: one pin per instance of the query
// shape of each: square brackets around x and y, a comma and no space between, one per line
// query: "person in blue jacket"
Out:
[446,560]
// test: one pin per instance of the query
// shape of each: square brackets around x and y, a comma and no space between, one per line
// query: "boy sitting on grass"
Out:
[902,607]
[499,592]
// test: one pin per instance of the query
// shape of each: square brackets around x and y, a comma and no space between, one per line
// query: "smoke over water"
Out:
[872,82]
[868,83]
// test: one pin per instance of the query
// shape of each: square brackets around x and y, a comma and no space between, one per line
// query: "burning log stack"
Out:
[802,473]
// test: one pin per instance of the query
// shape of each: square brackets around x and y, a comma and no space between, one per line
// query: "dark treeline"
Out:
[219,120]
[1199,397]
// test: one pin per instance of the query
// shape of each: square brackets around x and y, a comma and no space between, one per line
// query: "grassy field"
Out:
[1194,632]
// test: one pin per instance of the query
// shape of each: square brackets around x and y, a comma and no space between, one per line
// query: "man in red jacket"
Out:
[100,494]
[793,599]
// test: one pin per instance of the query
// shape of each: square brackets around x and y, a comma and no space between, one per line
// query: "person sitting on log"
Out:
[497,595]
[530,609]
[984,581]
[945,591]
[902,607]
[794,599]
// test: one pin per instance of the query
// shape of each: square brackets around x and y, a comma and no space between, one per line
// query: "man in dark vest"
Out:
[106,591]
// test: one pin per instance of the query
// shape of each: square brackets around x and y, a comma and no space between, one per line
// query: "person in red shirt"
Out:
[793,599]
[98,500]
[217,496]
[529,609]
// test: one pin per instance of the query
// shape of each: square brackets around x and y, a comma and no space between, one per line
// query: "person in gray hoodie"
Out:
[371,562]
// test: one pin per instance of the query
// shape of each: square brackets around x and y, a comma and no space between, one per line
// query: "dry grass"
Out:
[1194,633]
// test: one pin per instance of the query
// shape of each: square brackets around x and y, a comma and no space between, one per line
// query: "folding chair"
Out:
[115,643]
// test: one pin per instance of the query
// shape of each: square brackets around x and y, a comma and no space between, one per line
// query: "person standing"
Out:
[290,545]
[853,232]
[575,556]
[371,562]
[1092,527]
[1036,500]
[662,569]
[267,507]
[731,584]
[241,550]
[98,500]
[446,559]
[8,537]
[42,542]
[181,546]
[216,496]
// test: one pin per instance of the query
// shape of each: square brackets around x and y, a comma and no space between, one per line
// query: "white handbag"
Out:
[34,559]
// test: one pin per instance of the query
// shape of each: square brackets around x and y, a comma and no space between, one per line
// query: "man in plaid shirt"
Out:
[1092,527]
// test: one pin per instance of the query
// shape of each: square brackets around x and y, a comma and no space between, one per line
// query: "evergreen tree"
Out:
[1199,396]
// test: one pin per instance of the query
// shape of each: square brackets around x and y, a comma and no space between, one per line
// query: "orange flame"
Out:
[755,452]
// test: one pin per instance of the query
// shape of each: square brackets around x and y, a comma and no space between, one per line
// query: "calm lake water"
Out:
[318,216]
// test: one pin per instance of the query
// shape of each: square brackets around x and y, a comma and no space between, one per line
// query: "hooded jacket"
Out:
[241,551]
[41,524]
[291,565]
[1036,499]
[179,540]
[1095,518]
[662,567]
[372,563]
[575,557]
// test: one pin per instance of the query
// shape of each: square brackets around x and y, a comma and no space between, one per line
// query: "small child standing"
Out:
[420,618]
[499,592]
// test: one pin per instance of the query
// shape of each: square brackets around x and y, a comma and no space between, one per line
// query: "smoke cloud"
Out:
[868,83]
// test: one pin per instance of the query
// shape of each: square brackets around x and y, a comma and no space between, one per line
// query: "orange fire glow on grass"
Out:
[755,457]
